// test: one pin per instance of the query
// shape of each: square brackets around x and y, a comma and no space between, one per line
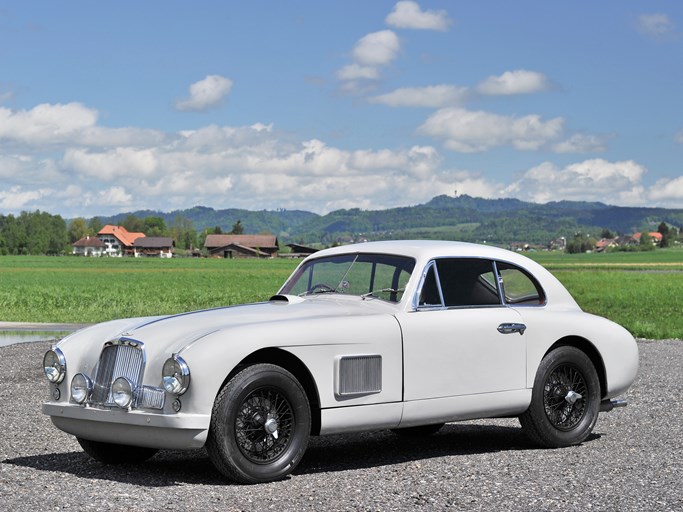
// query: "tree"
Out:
[665,231]
[183,232]
[133,224]
[237,228]
[95,225]
[154,226]
[78,229]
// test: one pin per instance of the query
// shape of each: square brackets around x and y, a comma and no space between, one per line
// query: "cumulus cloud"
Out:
[46,124]
[358,72]
[206,94]
[470,131]
[519,81]
[655,25]
[434,96]
[377,48]
[408,14]
[590,180]
[16,198]
[668,190]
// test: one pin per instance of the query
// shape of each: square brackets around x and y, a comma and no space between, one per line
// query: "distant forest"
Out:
[496,221]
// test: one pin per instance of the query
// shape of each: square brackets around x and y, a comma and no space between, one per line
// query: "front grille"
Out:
[119,358]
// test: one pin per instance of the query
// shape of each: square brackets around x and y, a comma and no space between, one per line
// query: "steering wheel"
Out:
[321,287]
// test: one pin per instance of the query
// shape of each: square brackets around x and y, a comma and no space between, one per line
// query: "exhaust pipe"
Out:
[608,405]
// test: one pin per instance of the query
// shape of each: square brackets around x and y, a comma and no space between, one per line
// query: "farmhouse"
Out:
[88,246]
[158,246]
[118,240]
[242,246]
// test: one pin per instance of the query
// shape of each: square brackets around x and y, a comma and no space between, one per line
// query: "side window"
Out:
[519,287]
[430,295]
[468,282]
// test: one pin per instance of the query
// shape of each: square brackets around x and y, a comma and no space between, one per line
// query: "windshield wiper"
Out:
[383,290]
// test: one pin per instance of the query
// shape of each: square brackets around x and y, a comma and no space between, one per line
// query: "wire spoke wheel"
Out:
[564,397]
[263,425]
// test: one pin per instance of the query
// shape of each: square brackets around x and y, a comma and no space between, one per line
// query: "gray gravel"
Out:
[632,462]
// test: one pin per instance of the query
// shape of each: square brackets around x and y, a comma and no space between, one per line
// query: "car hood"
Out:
[170,334]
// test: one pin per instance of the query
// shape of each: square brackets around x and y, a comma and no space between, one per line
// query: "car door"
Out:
[461,339]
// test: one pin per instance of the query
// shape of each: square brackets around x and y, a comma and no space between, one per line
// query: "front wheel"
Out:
[260,425]
[565,400]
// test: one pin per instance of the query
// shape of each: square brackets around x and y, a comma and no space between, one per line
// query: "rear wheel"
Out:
[565,399]
[109,453]
[260,425]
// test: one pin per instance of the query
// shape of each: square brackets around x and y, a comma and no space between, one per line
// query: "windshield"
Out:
[366,275]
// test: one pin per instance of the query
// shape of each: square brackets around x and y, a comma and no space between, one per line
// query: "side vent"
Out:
[360,375]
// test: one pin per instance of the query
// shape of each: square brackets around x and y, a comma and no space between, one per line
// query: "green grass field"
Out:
[641,291]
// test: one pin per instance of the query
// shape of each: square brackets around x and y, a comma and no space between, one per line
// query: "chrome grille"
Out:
[360,375]
[119,358]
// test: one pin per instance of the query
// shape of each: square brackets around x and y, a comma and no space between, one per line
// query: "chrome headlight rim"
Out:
[81,388]
[54,365]
[122,392]
[175,375]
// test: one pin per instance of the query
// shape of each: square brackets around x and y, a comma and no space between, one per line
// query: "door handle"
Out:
[511,328]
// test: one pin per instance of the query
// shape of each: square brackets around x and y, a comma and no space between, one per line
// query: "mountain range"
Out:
[462,217]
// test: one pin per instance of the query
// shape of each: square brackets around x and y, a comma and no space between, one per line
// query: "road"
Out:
[632,462]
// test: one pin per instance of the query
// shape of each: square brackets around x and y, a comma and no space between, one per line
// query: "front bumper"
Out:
[179,431]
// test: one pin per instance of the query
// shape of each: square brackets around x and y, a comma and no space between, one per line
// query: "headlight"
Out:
[122,392]
[54,365]
[81,387]
[175,375]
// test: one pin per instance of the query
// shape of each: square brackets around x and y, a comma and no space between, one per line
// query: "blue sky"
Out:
[108,107]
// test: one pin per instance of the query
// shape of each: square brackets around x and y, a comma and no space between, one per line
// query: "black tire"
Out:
[260,425]
[565,400]
[108,453]
[418,431]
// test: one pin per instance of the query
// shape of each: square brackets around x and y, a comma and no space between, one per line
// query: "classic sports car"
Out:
[383,335]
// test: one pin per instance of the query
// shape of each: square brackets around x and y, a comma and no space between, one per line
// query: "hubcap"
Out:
[264,425]
[563,397]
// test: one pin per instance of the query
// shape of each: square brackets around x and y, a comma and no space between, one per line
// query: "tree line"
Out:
[37,233]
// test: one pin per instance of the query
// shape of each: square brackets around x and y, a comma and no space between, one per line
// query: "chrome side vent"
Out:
[360,375]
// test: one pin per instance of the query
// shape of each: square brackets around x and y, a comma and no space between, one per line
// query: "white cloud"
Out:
[45,123]
[590,180]
[16,198]
[472,131]
[358,72]
[407,14]
[655,25]
[206,93]
[434,96]
[519,81]
[580,143]
[668,190]
[377,48]
[112,164]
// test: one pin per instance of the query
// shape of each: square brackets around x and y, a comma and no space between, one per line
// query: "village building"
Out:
[300,251]
[88,246]
[655,237]
[118,240]
[154,246]
[242,246]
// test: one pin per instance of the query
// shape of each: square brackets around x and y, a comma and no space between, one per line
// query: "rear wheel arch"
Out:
[293,365]
[589,349]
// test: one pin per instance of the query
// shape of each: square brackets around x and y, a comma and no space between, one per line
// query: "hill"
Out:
[463,217]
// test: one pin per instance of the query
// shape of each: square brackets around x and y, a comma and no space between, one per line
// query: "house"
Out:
[118,240]
[88,246]
[242,246]
[300,251]
[605,243]
[159,246]
[655,236]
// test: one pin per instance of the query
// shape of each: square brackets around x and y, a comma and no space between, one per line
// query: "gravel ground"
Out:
[633,461]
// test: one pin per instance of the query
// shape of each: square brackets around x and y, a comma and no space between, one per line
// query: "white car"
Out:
[404,335]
